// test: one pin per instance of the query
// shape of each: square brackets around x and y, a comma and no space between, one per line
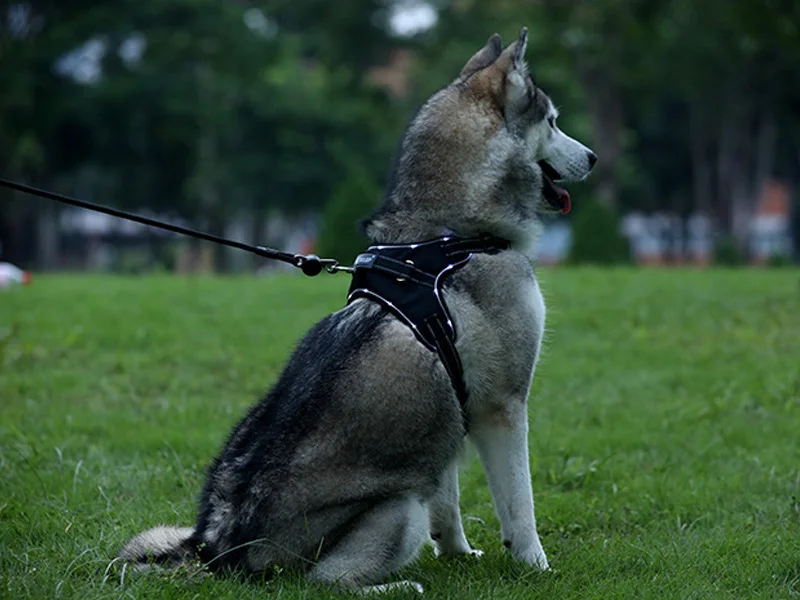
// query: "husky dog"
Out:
[349,465]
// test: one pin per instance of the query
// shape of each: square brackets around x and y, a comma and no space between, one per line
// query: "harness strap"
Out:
[407,280]
[403,270]
[451,360]
[489,245]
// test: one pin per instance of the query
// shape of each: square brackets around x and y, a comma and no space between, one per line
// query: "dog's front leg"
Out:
[447,530]
[502,442]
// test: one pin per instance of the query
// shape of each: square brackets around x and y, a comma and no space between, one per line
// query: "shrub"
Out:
[728,253]
[780,260]
[353,200]
[596,236]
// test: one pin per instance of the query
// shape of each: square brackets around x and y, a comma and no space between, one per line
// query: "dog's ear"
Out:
[512,63]
[483,57]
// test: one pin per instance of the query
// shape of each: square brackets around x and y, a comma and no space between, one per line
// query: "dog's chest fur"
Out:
[499,314]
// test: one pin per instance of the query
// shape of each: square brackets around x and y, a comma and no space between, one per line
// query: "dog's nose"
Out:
[592,159]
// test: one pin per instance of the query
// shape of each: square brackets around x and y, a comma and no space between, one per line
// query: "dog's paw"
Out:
[532,555]
[471,553]
[439,552]
[537,560]
[452,545]
[383,588]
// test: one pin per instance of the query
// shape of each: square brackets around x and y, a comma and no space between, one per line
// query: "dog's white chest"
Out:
[499,337]
[537,311]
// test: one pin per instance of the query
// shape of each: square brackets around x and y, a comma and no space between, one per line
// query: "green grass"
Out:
[665,432]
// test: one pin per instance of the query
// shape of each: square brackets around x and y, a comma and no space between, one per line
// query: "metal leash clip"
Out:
[312,265]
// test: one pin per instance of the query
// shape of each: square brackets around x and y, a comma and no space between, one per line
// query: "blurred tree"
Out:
[33,108]
[732,65]
[597,237]
[196,107]
[214,109]
[355,198]
[681,100]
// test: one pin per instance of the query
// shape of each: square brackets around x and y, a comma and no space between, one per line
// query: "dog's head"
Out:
[485,154]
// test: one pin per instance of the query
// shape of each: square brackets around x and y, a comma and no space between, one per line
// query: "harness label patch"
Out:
[364,260]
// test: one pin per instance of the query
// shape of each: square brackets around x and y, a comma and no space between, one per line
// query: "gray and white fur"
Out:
[349,465]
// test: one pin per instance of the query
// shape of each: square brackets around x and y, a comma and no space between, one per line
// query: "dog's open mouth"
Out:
[556,196]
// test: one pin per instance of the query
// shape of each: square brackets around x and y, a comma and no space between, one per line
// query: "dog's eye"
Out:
[552,121]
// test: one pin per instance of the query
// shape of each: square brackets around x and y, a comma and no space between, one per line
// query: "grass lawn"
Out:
[665,432]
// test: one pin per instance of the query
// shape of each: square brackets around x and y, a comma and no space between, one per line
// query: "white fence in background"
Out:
[655,238]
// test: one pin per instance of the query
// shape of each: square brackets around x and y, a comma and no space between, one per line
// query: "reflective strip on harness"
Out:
[407,280]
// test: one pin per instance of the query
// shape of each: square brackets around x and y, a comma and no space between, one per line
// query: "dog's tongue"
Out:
[563,195]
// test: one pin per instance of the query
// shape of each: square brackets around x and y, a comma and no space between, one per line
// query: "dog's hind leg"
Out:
[384,539]
[446,527]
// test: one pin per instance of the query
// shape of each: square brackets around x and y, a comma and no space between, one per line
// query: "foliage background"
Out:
[213,109]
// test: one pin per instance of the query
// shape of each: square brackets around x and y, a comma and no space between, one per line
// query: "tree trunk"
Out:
[766,145]
[724,170]
[702,168]
[207,172]
[18,228]
[605,111]
[747,151]
[48,238]
[257,226]
[734,159]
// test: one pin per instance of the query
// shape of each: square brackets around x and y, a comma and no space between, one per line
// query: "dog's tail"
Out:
[160,546]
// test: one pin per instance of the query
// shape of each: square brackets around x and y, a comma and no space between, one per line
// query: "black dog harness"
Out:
[407,279]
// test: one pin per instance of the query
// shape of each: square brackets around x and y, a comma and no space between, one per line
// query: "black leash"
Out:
[310,264]
[406,278]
